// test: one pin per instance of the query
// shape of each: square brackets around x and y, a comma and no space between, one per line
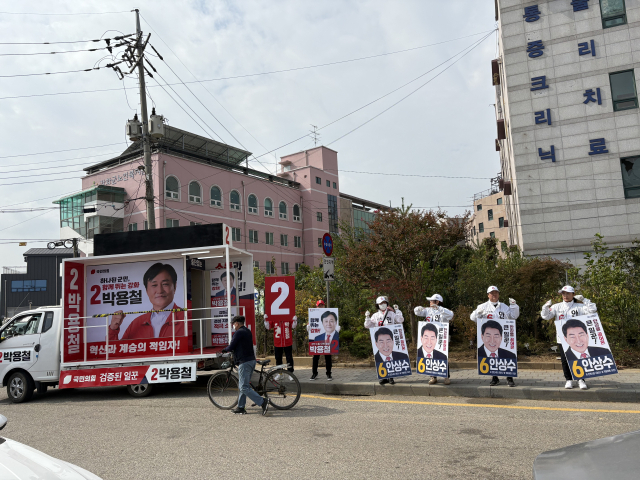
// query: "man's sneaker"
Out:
[433,380]
[582,384]
[494,381]
[239,411]
[383,381]
[265,406]
[510,382]
[278,377]
[329,377]
[314,376]
[392,381]
[569,384]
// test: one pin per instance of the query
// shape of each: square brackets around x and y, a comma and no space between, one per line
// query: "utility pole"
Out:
[146,140]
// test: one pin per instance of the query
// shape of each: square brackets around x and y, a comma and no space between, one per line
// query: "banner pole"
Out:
[228,291]
[327,294]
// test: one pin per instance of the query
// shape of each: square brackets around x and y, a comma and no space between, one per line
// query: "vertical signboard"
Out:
[280,298]
[73,312]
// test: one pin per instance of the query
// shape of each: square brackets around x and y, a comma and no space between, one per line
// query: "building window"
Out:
[256,264]
[235,234]
[284,240]
[296,213]
[298,266]
[270,268]
[335,185]
[319,242]
[479,206]
[490,214]
[216,197]
[132,227]
[319,216]
[193,224]
[28,286]
[631,177]
[268,238]
[332,204]
[501,222]
[481,228]
[329,183]
[623,90]
[253,204]
[172,188]
[172,223]
[253,236]
[282,209]
[195,192]
[318,180]
[499,201]
[284,268]
[492,234]
[297,242]
[234,200]
[146,225]
[268,207]
[613,13]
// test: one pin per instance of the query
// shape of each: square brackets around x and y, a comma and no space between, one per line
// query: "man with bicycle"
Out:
[242,347]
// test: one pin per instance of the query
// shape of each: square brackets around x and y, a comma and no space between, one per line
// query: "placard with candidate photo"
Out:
[324,338]
[497,347]
[586,347]
[390,351]
[219,287]
[433,349]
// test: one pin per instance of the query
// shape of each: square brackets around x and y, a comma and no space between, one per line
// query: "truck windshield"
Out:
[24,325]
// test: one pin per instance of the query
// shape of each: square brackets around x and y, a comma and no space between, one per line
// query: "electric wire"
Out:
[59,151]
[75,41]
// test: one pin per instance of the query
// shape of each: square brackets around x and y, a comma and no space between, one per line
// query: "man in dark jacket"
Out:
[242,347]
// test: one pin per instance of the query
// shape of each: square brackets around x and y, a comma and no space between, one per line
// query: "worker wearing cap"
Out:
[436,313]
[499,310]
[571,306]
[384,316]
[316,358]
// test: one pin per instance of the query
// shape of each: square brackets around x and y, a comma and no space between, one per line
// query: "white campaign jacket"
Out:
[378,319]
[436,314]
[501,310]
[564,311]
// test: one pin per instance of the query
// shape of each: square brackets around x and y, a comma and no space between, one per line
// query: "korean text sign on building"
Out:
[324,337]
[497,347]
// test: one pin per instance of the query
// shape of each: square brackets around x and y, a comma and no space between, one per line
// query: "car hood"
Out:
[21,462]
[608,457]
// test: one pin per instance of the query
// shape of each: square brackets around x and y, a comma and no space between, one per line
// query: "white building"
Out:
[569,123]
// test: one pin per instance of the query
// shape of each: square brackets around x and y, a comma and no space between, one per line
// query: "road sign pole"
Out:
[327,294]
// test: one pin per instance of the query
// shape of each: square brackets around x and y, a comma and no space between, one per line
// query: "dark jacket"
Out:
[436,355]
[502,353]
[242,346]
[396,357]
[593,352]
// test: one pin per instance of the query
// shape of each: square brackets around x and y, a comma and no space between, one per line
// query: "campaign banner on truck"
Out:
[390,351]
[219,287]
[324,337]
[498,348]
[433,349]
[280,298]
[132,375]
[220,325]
[73,310]
[18,357]
[586,347]
[137,307]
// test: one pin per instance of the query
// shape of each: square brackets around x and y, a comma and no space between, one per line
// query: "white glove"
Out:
[548,304]
[395,307]
[266,316]
[295,322]
[367,314]
[308,329]
[337,328]
[480,313]
[266,325]
[512,301]
[418,310]
[580,298]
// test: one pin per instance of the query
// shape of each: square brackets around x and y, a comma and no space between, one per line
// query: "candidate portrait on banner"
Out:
[497,351]
[432,358]
[428,341]
[390,351]
[219,287]
[324,331]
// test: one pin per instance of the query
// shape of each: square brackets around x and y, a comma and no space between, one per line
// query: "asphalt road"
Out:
[177,433]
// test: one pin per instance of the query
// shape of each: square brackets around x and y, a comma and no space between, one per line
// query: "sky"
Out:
[446,127]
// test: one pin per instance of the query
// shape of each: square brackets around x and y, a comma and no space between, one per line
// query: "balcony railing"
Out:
[15,270]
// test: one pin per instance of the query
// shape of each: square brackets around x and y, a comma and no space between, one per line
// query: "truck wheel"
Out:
[20,387]
[140,390]
[41,389]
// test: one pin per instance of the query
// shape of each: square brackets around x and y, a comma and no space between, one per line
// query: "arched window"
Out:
[253,204]
[234,200]
[216,197]
[268,207]
[282,208]
[296,213]
[195,192]
[172,187]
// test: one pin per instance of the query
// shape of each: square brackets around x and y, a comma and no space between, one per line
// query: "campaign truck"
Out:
[138,312]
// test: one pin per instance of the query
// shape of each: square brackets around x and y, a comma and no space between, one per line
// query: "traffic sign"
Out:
[327,244]
[328,267]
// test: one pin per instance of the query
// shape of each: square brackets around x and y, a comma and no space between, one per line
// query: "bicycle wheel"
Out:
[282,389]
[223,390]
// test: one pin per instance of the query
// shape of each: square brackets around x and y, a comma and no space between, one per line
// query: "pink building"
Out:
[198,180]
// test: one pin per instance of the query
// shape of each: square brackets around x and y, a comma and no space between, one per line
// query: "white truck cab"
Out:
[30,352]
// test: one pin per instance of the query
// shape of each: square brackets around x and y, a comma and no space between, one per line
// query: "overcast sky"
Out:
[445,128]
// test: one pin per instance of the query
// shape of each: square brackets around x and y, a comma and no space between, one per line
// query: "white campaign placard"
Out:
[433,349]
[219,287]
[497,347]
[390,351]
[324,338]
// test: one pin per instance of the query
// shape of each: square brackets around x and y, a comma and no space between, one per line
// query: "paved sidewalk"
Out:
[530,385]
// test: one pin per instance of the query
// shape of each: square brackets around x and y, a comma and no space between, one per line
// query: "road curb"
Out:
[600,394]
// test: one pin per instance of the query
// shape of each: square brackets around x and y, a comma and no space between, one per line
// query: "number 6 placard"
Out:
[280,299]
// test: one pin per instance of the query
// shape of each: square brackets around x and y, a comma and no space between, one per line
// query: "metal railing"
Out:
[22,269]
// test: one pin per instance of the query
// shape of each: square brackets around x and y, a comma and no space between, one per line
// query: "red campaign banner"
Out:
[279,299]
[73,311]
[147,347]
[132,375]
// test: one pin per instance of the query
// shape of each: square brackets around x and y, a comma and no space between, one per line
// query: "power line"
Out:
[62,14]
[120,37]
[57,161]
[52,53]
[59,151]
[50,73]
[36,181]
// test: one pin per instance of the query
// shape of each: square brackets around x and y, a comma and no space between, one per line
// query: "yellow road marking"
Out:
[514,407]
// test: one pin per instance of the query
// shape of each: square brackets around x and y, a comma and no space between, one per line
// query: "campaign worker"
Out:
[572,305]
[495,309]
[331,322]
[435,313]
[384,344]
[160,284]
[280,333]
[385,315]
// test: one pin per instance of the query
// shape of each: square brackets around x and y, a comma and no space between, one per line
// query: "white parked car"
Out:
[21,462]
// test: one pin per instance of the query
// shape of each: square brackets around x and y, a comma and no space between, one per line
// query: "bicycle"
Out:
[278,385]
